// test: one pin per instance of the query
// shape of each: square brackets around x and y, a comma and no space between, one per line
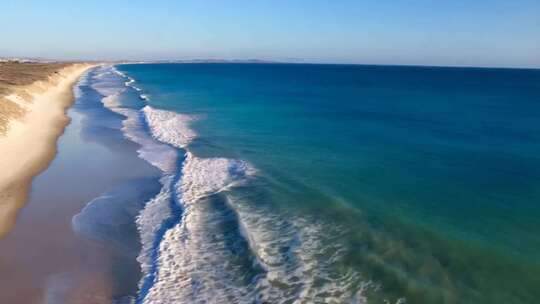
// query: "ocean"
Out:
[304,183]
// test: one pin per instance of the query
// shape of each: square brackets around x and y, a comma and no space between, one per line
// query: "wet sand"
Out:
[49,257]
[32,119]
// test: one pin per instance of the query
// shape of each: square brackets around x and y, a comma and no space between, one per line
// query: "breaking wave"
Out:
[203,242]
[169,127]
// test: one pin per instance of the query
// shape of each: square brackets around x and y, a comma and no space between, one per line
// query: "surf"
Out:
[201,241]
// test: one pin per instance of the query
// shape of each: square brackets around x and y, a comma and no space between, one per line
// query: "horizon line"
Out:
[256,61]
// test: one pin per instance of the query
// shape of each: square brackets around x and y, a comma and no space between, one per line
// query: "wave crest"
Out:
[206,176]
[169,127]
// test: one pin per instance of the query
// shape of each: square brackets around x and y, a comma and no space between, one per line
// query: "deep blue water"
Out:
[425,180]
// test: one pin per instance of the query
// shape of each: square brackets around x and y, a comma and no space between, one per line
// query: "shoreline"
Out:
[29,145]
[85,249]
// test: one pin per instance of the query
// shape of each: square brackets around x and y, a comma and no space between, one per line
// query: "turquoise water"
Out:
[316,183]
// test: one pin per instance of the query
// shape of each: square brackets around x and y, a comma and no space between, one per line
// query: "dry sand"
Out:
[32,117]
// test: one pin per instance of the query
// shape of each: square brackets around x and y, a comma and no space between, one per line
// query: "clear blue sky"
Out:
[427,32]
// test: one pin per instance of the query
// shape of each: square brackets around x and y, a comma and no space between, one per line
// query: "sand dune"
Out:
[32,117]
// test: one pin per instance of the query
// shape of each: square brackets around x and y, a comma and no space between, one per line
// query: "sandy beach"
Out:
[33,102]
[75,240]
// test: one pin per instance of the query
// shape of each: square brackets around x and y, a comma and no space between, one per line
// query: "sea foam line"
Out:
[160,215]
[183,255]
[192,254]
[188,244]
[199,178]
[163,211]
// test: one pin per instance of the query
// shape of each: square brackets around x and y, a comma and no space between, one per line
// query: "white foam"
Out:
[144,97]
[130,83]
[291,251]
[157,154]
[169,127]
[149,221]
[111,101]
[204,176]
[194,261]
[299,257]
[106,88]
[115,70]
[160,155]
